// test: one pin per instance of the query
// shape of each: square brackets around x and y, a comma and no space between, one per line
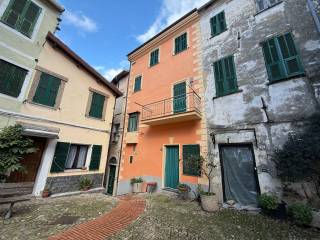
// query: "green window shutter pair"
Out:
[11,78]
[191,167]
[47,90]
[137,84]
[225,76]
[97,105]
[179,98]
[281,57]
[154,57]
[22,15]
[133,122]
[181,43]
[218,24]
[61,156]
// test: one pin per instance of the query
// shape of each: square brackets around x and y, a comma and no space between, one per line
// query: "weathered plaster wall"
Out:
[288,102]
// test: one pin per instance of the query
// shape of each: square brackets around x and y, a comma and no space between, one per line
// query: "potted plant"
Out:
[136,185]
[271,206]
[85,183]
[183,190]
[46,192]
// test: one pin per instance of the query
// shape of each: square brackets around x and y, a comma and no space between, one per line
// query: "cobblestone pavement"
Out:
[41,218]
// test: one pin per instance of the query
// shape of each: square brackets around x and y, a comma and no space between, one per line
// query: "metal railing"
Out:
[171,106]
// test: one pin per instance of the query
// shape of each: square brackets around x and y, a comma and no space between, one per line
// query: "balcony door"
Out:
[179,98]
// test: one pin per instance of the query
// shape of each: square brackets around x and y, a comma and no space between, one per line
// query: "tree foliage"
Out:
[13,146]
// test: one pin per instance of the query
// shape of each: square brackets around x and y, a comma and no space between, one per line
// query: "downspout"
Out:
[314,14]
[123,127]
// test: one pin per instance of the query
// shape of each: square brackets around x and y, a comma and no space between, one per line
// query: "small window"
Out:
[225,76]
[131,159]
[47,90]
[22,15]
[154,57]
[97,105]
[137,84]
[76,157]
[218,24]
[181,43]
[11,78]
[282,58]
[191,160]
[265,4]
[133,122]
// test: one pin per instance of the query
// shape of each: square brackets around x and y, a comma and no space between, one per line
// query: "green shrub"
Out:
[301,214]
[184,187]
[85,182]
[268,202]
[136,180]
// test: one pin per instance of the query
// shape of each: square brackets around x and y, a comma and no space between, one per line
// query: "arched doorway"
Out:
[112,169]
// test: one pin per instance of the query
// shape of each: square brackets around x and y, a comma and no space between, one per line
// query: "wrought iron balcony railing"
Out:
[189,102]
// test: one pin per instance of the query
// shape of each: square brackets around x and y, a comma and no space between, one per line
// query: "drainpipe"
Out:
[314,14]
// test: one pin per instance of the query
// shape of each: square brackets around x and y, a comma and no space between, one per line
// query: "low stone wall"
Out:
[71,183]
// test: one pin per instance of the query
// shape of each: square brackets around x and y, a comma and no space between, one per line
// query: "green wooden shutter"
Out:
[95,157]
[97,105]
[137,84]
[13,12]
[133,122]
[60,157]
[29,19]
[214,26]
[179,98]
[191,168]
[218,24]
[47,90]
[219,78]
[222,22]
[181,43]
[154,58]
[230,74]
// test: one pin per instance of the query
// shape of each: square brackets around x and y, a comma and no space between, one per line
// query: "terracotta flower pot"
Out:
[209,203]
[87,188]
[46,193]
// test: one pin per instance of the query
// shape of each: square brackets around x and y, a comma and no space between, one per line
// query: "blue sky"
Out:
[103,32]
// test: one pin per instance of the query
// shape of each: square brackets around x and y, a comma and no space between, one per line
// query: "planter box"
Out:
[137,187]
[209,203]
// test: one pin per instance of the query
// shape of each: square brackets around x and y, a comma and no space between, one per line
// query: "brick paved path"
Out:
[129,209]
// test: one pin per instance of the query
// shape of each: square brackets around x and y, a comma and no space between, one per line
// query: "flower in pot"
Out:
[46,192]
[271,206]
[85,183]
[184,190]
[136,184]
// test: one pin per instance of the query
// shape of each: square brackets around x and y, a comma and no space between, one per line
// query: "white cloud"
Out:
[109,73]
[171,10]
[80,21]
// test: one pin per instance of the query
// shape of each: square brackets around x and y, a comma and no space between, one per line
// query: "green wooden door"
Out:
[112,176]
[179,98]
[172,167]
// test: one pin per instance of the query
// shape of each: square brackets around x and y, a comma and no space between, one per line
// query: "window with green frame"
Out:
[22,15]
[282,58]
[133,122]
[154,57]
[137,84]
[191,166]
[181,43]
[97,105]
[218,24]
[47,90]
[225,76]
[11,78]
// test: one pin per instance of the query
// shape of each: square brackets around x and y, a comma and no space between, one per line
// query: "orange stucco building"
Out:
[165,119]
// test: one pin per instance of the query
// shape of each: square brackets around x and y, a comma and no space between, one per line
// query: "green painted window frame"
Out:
[154,57]
[47,90]
[22,18]
[181,43]
[225,76]
[279,52]
[187,151]
[218,24]
[133,122]
[12,78]
[137,84]
[97,105]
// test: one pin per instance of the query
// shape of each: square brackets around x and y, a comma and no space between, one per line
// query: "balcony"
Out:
[172,110]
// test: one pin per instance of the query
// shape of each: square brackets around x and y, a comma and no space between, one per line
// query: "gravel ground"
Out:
[170,218]
[40,218]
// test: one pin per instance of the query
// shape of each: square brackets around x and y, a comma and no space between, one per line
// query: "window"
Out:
[281,57]
[97,105]
[47,90]
[76,157]
[225,76]
[264,4]
[154,57]
[133,122]
[137,84]
[11,78]
[22,15]
[191,160]
[130,159]
[218,24]
[180,43]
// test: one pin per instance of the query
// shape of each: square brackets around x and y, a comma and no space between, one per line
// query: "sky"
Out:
[103,32]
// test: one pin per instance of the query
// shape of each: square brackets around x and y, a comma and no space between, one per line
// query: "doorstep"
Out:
[95,190]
